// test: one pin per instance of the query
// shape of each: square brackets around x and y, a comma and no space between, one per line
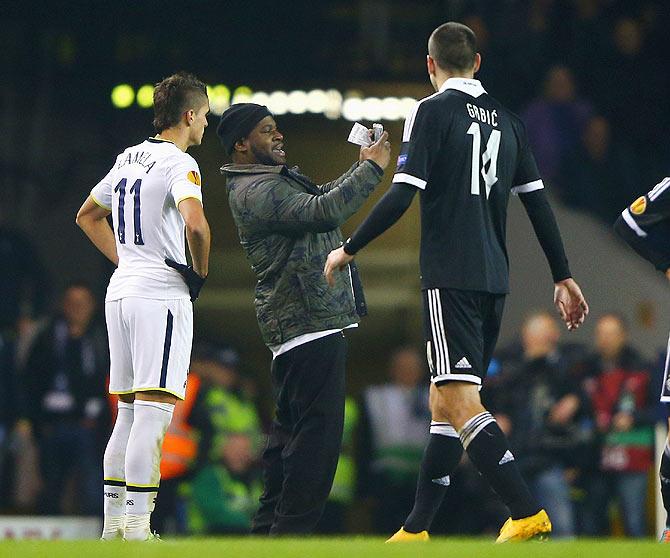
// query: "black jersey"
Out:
[645,225]
[466,153]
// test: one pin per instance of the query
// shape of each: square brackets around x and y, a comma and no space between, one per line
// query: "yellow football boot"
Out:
[536,527]
[403,536]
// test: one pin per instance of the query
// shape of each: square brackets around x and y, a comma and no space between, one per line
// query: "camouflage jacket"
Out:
[287,226]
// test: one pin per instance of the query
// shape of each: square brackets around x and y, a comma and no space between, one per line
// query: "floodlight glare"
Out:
[242,94]
[145,96]
[123,96]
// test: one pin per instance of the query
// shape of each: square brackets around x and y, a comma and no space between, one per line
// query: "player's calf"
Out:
[114,474]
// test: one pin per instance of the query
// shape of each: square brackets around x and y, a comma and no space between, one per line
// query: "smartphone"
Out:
[377,131]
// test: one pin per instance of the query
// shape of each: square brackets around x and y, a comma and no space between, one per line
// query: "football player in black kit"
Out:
[645,226]
[466,154]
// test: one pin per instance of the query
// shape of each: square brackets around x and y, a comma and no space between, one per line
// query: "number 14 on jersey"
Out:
[489,159]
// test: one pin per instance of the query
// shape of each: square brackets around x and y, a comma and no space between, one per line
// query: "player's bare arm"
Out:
[197,234]
[92,219]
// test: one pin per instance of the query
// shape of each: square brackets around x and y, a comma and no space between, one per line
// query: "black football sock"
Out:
[488,449]
[664,474]
[440,458]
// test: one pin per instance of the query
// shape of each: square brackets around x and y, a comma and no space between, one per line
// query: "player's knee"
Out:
[157,397]
[456,402]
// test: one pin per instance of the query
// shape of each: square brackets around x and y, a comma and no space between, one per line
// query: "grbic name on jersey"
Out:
[486,116]
[137,158]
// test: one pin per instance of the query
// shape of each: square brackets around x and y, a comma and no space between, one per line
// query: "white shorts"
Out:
[149,344]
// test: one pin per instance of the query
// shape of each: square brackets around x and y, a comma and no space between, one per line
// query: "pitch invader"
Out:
[645,226]
[466,154]
[153,193]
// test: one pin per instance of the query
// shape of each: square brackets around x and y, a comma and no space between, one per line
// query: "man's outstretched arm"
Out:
[385,213]
[568,297]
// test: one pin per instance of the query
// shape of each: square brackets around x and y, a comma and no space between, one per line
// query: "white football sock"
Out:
[143,458]
[114,471]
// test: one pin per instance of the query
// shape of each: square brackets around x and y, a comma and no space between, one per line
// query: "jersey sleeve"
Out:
[421,142]
[649,210]
[184,179]
[527,177]
[102,191]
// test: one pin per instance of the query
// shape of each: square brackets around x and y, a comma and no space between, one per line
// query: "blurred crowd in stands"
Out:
[580,418]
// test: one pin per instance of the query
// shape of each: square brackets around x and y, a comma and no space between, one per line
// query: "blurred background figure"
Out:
[394,431]
[617,380]
[555,121]
[599,174]
[547,416]
[64,403]
[223,494]
[223,485]
[335,518]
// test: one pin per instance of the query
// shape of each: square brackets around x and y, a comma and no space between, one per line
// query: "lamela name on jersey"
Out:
[142,158]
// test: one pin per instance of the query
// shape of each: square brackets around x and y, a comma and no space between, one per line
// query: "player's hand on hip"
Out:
[337,260]
[193,280]
[570,303]
[379,152]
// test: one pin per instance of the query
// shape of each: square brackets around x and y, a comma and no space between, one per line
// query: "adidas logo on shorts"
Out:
[506,458]
[463,363]
[444,481]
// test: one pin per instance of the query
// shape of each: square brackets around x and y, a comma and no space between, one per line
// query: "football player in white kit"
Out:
[153,193]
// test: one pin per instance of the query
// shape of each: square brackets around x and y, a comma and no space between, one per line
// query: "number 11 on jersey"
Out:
[489,157]
[137,212]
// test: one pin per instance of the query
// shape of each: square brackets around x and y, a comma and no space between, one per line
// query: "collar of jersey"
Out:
[470,86]
[159,140]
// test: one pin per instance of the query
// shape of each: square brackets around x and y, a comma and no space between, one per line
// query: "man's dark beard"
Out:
[264,158]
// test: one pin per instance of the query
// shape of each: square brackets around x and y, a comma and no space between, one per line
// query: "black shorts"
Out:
[460,329]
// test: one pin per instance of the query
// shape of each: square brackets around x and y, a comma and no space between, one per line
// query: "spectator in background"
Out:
[223,489]
[601,175]
[618,382]
[556,120]
[64,401]
[631,84]
[546,412]
[334,518]
[222,407]
[223,494]
[393,436]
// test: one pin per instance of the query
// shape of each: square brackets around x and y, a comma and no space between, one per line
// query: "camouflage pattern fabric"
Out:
[287,226]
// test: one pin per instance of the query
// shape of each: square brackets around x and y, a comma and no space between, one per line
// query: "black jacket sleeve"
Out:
[384,214]
[544,223]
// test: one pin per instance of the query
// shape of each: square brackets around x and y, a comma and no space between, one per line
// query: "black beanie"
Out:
[237,121]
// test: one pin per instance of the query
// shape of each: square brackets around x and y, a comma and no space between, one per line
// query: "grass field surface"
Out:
[353,547]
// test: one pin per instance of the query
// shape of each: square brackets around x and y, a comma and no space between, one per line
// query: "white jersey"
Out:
[143,190]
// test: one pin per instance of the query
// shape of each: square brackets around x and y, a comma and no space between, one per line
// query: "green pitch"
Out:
[353,547]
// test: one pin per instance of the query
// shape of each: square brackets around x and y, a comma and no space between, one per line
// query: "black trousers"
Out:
[304,444]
